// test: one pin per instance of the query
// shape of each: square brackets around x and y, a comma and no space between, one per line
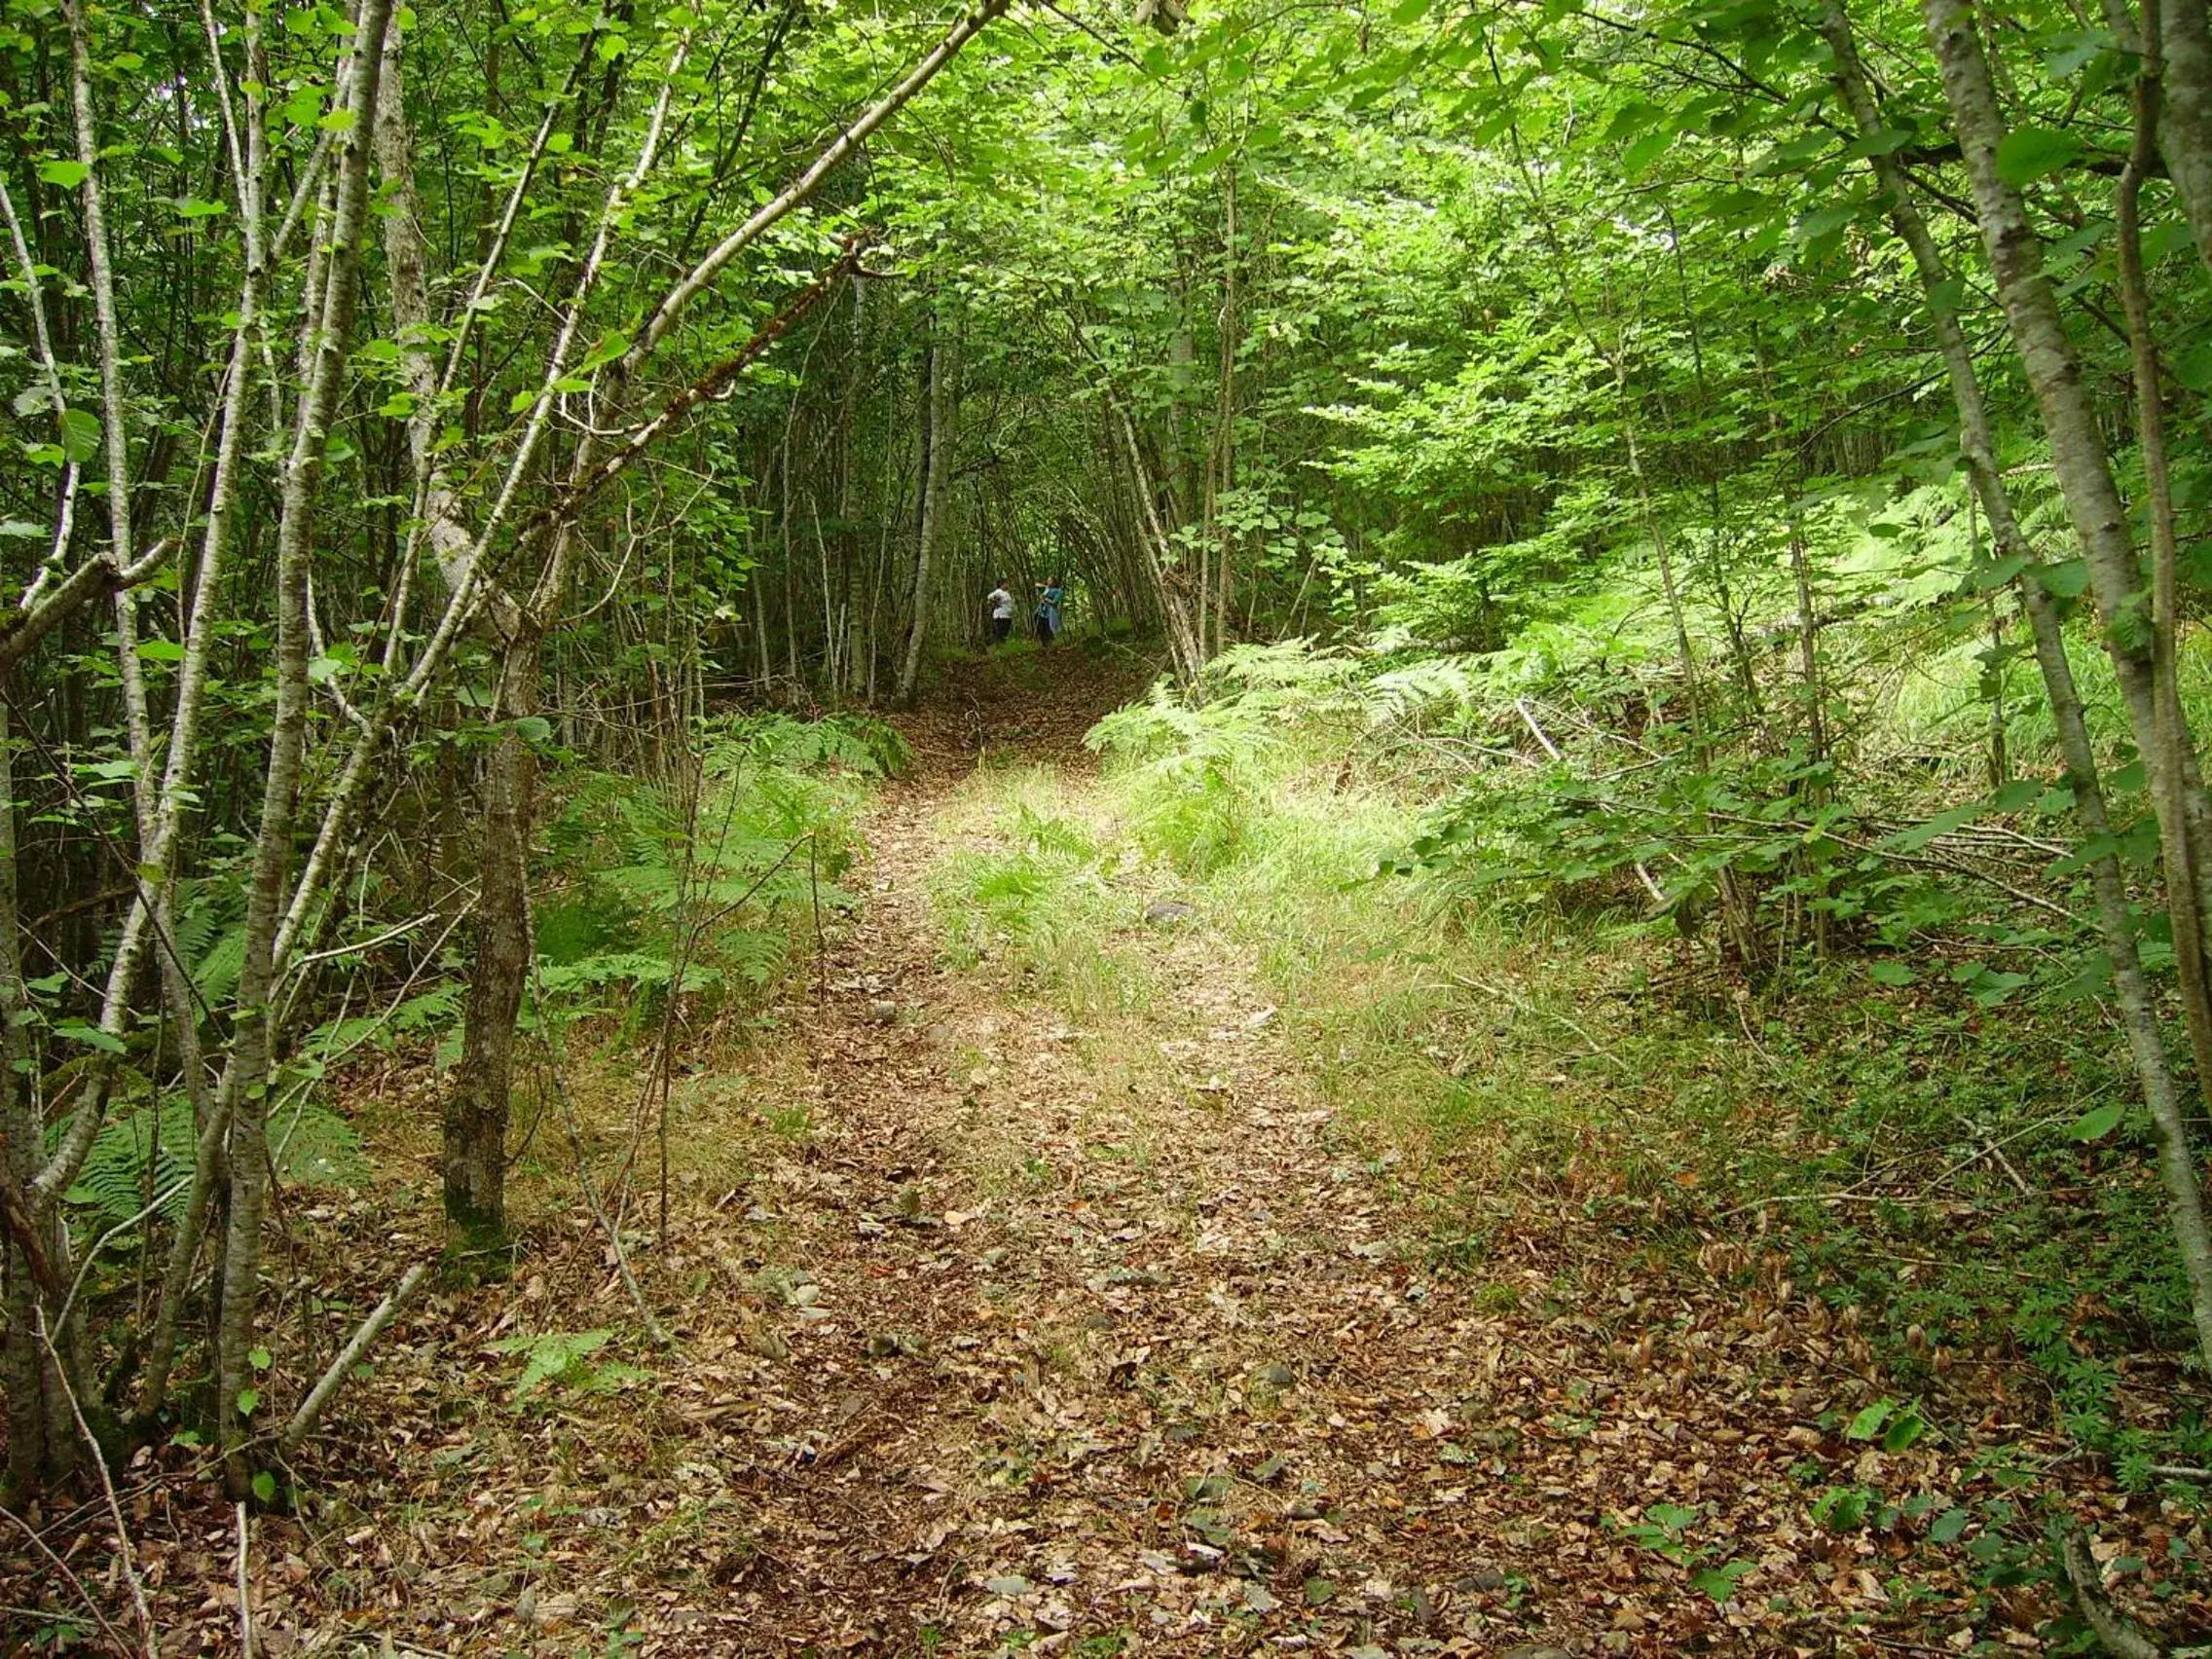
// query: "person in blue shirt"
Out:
[1048,616]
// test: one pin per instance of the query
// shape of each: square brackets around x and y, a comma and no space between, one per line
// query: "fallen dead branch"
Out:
[310,1409]
[2120,1637]
[38,1544]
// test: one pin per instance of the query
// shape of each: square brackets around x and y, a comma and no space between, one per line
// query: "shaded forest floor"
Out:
[995,1332]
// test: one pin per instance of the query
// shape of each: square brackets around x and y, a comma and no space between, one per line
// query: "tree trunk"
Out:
[475,1159]
[40,1444]
[940,369]
[245,1079]
[1186,647]
[2185,116]
[2078,449]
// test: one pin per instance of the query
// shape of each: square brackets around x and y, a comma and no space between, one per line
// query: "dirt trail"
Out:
[1112,1353]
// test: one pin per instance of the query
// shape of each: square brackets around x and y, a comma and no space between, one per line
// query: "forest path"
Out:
[997,1332]
[1117,1342]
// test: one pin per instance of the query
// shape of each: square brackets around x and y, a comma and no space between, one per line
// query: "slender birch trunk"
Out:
[246,1077]
[1186,651]
[2079,456]
[939,372]
[2115,919]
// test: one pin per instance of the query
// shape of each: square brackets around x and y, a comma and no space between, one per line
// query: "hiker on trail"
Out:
[1001,602]
[1047,611]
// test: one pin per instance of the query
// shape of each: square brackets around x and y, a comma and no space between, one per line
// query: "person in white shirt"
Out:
[1001,602]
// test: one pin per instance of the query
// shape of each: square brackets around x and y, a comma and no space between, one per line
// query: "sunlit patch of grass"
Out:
[1034,888]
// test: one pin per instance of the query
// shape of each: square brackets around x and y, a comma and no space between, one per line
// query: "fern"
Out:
[312,1146]
[551,1356]
[1435,685]
[113,1183]
[851,743]
[631,970]
[764,840]
[216,972]
[431,1009]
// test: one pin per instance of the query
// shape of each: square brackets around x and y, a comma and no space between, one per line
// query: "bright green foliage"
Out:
[714,877]
[143,1157]
[563,1359]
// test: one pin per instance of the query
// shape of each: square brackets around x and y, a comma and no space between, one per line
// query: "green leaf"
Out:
[1905,1428]
[260,1359]
[1319,1591]
[2030,152]
[1890,973]
[265,1486]
[339,121]
[1409,11]
[1882,141]
[1868,1423]
[248,1398]
[2071,52]
[79,435]
[2097,1122]
[1721,1582]
[1647,150]
[68,176]
[91,1035]
[1826,221]
[1842,1509]
[160,650]
[1949,1526]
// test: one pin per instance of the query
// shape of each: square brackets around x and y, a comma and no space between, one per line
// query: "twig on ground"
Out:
[310,1409]
[2004,1163]
[245,1588]
[656,1331]
[1503,995]
[1521,708]
[2120,1637]
[1986,1149]
[1902,1200]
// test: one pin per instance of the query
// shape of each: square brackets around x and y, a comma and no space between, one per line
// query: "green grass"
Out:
[1040,891]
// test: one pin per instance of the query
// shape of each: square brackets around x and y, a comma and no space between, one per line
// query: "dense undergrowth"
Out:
[683,905]
[1518,972]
